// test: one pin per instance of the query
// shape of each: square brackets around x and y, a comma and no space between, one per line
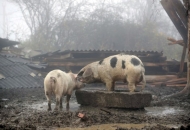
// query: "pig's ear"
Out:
[87,72]
[80,73]
[75,75]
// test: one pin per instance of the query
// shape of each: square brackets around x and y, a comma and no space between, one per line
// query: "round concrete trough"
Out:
[121,99]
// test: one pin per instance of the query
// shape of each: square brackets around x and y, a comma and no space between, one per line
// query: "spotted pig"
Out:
[121,67]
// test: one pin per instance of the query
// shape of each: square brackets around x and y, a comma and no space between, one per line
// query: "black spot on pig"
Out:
[113,62]
[135,61]
[100,62]
[123,64]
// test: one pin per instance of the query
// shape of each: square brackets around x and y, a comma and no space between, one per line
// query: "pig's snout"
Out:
[81,80]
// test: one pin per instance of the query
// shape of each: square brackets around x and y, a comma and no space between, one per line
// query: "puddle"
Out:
[162,111]
[116,126]
[74,106]
[108,127]
[4,99]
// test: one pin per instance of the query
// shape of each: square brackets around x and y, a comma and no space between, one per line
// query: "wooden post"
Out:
[188,55]
[182,59]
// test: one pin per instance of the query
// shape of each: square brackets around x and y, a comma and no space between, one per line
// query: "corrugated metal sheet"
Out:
[14,58]
[17,73]
[59,52]
[18,60]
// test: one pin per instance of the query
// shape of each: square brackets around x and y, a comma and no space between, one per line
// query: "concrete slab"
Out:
[103,98]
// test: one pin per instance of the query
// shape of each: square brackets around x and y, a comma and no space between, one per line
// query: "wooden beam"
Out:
[159,78]
[58,57]
[55,64]
[172,9]
[180,42]
[176,80]
[173,41]
[160,64]
[188,44]
[73,60]
[183,59]
[175,85]
[181,11]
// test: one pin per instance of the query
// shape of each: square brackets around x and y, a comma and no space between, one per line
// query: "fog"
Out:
[49,25]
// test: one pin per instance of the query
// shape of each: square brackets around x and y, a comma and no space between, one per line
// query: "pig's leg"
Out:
[131,86]
[48,96]
[61,103]
[143,83]
[131,82]
[113,86]
[110,85]
[67,102]
[57,102]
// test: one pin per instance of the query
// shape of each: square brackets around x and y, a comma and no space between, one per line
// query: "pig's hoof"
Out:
[49,109]
[56,109]
[67,109]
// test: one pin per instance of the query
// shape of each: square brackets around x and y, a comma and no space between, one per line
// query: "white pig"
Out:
[121,67]
[61,84]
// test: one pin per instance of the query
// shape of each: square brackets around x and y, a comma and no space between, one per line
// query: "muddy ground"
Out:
[27,109]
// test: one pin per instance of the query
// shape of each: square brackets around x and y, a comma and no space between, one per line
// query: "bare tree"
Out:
[44,18]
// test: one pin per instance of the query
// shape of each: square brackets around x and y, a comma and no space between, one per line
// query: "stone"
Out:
[103,98]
